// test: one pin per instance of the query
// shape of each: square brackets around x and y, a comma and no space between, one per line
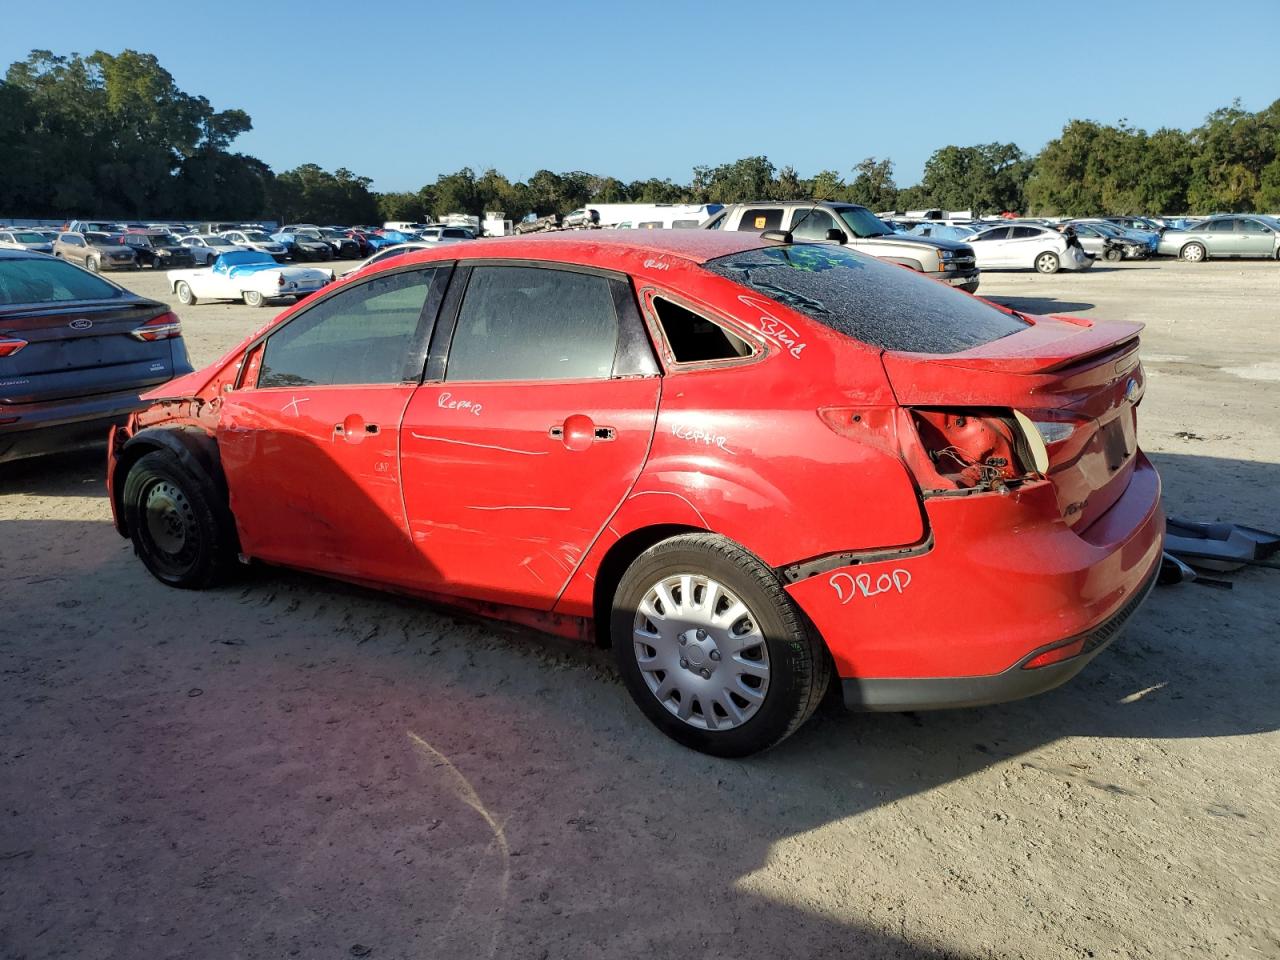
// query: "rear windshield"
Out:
[45,280]
[876,302]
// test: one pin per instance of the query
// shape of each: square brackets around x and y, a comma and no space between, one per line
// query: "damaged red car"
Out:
[752,467]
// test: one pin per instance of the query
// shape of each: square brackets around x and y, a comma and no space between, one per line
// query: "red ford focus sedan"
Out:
[751,467]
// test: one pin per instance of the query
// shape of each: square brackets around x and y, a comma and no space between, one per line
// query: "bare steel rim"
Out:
[701,652]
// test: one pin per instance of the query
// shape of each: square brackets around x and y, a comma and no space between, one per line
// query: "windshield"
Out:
[872,301]
[257,236]
[307,235]
[45,279]
[1109,229]
[218,242]
[863,223]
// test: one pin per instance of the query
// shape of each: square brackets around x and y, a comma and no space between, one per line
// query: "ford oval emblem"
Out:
[81,324]
[1131,390]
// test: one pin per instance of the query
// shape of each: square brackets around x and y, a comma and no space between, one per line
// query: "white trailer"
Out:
[654,216]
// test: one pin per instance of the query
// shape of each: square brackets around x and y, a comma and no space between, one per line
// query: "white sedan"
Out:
[1025,246]
[247,275]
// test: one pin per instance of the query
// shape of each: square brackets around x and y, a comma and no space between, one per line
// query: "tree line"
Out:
[112,135]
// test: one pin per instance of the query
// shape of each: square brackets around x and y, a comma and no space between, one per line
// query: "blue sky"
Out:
[403,91]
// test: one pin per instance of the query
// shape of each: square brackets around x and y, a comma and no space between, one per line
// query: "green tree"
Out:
[873,186]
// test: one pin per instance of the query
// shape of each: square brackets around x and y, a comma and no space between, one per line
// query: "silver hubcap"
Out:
[701,652]
[1194,253]
[1046,264]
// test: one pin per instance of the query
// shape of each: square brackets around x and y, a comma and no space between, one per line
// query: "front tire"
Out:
[1194,253]
[174,521]
[712,649]
[185,296]
[1114,255]
[92,265]
[1047,263]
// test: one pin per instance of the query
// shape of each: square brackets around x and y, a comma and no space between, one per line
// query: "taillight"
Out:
[164,327]
[973,448]
[280,280]
[10,345]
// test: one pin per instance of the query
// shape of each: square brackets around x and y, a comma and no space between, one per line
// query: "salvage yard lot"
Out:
[291,767]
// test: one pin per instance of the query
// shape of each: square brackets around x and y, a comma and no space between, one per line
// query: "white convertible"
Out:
[248,275]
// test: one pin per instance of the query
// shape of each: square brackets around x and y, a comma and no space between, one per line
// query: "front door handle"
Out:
[354,429]
[579,432]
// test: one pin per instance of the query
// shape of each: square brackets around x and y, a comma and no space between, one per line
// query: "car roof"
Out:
[606,247]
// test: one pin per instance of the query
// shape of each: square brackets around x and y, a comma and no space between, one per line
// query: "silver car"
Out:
[1228,235]
[17,239]
[1107,241]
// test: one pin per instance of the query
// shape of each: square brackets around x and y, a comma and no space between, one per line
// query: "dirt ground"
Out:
[288,767]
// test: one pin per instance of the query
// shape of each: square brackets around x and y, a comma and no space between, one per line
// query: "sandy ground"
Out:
[292,768]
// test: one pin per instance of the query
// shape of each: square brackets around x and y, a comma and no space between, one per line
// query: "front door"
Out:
[310,444]
[1254,238]
[518,455]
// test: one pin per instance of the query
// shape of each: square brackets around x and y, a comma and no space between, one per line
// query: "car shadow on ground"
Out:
[1041,305]
[290,764]
[75,473]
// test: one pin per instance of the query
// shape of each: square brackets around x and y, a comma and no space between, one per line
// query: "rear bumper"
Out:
[1016,683]
[66,424]
[1002,579]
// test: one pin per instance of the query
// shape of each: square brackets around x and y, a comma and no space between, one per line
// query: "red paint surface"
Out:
[504,498]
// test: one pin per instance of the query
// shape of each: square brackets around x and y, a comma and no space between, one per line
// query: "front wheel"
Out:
[252,298]
[177,528]
[92,265]
[1047,263]
[185,296]
[1193,252]
[712,649]
[1114,255]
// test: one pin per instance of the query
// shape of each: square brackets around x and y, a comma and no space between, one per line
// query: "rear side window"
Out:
[757,219]
[1024,233]
[45,281]
[695,339]
[869,300]
[534,323]
[361,335]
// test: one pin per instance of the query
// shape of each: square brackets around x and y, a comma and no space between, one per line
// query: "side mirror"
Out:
[839,236]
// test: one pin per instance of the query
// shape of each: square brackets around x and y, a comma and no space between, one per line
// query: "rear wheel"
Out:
[252,298]
[185,296]
[1047,263]
[1193,252]
[712,649]
[178,532]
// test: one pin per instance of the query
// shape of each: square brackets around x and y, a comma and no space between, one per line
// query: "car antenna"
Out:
[786,236]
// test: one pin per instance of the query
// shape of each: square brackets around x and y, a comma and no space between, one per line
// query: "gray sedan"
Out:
[1230,235]
[26,240]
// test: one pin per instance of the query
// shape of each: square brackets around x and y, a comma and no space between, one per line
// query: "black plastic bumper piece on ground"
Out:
[887,695]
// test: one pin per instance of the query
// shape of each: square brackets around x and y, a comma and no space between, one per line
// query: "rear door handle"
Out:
[578,432]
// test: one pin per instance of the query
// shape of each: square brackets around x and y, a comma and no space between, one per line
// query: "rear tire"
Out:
[737,683]
[1047,263]
[1194,253]
[178,529]
[252,298]
[185,296]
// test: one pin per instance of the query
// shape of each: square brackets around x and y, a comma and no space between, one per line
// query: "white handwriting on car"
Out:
[684,431]
[779,331]
[656,265]
[447,401]
[293,404]
[847,585]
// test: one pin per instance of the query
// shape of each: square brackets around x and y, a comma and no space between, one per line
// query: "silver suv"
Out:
[856,227]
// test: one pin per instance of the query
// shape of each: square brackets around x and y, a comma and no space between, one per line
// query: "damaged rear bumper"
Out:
[968,617]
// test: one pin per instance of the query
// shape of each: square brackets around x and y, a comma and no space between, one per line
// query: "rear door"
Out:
[526,438]
[309,442]
[83,336]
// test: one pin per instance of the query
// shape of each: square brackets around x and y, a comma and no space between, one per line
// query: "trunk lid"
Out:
[81,349]
[1059,371]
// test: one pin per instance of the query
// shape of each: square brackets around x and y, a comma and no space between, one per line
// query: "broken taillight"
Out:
[973,448]
[164,327]
[10,345]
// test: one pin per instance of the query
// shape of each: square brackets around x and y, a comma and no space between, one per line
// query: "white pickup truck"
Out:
[248,275]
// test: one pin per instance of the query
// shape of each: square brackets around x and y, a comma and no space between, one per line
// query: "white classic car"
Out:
[247,275]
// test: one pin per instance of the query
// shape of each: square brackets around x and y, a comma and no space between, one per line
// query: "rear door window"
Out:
[756,219]
[875,302]
[1023,233]
[534,323]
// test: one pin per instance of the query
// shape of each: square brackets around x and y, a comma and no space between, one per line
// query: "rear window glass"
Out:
[48,280]
[872,301]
